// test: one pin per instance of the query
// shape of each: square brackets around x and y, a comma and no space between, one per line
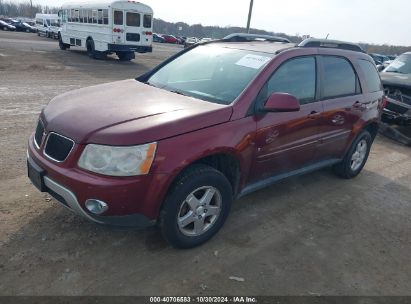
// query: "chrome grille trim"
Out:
[42,137]
[50,157]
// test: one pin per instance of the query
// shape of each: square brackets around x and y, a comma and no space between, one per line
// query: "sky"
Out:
[371,21]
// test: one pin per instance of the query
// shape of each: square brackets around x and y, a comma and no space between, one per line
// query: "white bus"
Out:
[108,26]
[47,25]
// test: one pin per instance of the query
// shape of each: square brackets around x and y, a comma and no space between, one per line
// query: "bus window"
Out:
[147,21]
[118,17]
[105,16]
[90,16]
[133,19]
[81,16]
[76,16]
[100,16]
[94,16]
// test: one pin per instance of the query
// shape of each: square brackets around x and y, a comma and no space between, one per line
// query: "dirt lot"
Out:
[315,234]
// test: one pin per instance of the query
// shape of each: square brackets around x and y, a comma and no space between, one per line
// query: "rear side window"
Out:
[339,78]
[147,21]
[371,75]
[133,19]
[118,17]
[296,77]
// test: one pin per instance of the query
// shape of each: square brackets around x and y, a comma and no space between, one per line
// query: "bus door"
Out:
[133,27]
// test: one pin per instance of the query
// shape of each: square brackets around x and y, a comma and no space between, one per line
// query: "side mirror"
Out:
[282,102]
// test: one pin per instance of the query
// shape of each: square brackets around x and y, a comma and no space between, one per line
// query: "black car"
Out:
[396,79]
[157,38]
[6,27]
[23,27]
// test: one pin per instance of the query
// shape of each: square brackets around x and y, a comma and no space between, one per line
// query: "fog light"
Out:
[96,206]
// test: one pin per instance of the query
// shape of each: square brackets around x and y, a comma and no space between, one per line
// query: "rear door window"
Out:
[133,19]
[339,78]
[371,75]
[118,17]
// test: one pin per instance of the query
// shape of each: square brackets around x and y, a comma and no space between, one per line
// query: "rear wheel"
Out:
[126,56]
[356,156]
[196,207]
[91,51]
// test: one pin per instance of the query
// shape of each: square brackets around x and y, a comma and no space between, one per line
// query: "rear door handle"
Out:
[314,115]
[359,105]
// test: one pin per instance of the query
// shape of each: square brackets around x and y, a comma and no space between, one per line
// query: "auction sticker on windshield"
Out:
[253,61]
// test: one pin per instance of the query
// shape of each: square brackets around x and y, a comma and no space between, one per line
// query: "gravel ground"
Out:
[311,235]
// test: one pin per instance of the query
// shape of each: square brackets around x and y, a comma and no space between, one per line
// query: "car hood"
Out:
[128,113]
[396,79]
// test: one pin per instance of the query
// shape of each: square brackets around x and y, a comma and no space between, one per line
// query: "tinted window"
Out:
[296,77]
[118,17]
[339,77]
[147,21]
[133,19]
[105,16]
[371,76]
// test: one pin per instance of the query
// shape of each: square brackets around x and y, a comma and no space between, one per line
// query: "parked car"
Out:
[205,39]
[24,27]
[396,79]
[170,39]
[190,41]
[216,122]
[6,27]
[158,38]
[181,40]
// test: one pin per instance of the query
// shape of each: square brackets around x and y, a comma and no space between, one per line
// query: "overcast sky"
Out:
[373,21]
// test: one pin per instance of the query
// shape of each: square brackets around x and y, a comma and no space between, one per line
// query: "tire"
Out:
[356,157]
[62,45]
[91,51]
[126,56]
[186,225]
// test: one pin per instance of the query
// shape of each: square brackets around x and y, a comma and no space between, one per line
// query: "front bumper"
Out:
[132,201]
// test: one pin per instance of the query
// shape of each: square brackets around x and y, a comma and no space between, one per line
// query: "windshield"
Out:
[211,72]
[400,65]
[55,22]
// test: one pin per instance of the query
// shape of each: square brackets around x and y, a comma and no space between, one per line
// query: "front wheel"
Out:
[196,207]
[356,156]
[62,45]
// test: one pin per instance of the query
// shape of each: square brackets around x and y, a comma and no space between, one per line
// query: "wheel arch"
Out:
[224,160]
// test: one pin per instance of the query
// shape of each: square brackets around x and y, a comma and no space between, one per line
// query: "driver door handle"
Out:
[314,115]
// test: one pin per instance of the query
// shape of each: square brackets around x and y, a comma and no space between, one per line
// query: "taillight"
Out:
[383,102]
[148,33]
[117,30]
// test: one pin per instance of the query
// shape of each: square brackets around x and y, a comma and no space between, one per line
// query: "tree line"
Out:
[27,9]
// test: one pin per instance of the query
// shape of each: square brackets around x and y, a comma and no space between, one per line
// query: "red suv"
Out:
[215,122]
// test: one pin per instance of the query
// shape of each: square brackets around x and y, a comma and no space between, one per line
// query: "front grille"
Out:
[132,37]
[58,147]
[38,136]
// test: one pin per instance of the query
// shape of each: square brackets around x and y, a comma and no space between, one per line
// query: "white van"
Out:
[107,26]
[48,25]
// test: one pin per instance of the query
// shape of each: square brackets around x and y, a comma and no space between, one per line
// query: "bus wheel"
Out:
[126,56]
[62,45]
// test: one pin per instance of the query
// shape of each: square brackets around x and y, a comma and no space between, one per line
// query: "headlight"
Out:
[118,161]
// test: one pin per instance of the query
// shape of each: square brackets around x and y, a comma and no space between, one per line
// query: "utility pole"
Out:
[249,15]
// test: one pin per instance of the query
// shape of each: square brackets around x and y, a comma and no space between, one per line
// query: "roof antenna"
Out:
[327,36]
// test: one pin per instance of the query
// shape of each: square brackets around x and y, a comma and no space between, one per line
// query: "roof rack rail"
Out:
[243,37]
[325,43]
